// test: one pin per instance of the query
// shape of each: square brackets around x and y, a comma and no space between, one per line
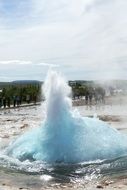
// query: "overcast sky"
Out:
[84,39]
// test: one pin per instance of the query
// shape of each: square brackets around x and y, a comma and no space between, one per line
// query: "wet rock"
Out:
[15,133]
[106,183]
[9,120]
[5,136]
[24,126]
[3,184]
[99,186]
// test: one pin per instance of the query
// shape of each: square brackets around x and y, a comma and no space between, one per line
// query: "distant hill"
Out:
[4,84]
[26,82]
[20,82]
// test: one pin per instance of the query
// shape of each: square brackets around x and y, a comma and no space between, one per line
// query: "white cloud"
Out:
[22,62]
[48,64]
[19,62]
[87,38]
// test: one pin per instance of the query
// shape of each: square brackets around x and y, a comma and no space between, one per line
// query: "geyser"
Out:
[65,136]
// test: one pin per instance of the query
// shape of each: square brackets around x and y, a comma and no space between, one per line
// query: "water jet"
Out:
[65,136]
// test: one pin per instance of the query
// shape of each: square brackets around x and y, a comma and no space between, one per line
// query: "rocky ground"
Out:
[15,121]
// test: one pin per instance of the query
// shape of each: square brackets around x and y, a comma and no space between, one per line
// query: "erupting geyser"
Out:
[65,136]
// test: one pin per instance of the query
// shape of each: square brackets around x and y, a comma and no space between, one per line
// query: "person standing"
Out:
[1,102]
[8,102]
[14,101]
[4,102]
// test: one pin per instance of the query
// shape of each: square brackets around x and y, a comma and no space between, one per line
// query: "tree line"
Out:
[18,94]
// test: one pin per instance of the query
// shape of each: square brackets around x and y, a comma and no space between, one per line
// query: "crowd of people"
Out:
[91,97]
[16,101]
